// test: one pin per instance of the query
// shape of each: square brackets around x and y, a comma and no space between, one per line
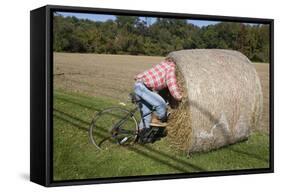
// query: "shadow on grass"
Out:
[251,155]
[70,116]
[195,167]
[77,103]
[152,153]
[84,106]
[156,155]
[71,122]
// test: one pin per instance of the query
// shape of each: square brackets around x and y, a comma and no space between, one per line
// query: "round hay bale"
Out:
[222,100]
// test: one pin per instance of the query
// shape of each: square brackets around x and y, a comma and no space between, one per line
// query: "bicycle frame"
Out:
[116,127]
[124,119]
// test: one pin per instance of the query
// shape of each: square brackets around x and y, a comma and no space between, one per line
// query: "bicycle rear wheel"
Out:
[103,132]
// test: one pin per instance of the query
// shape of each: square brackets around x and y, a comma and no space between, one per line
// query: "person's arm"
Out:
[171,81]
[139,76]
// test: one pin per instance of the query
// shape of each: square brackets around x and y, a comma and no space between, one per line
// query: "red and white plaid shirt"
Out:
[161,76]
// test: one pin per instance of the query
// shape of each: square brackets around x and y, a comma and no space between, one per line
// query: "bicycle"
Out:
[117,125]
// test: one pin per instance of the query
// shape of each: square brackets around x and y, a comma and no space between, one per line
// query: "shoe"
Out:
[143,135]
[142,132]
[155,122]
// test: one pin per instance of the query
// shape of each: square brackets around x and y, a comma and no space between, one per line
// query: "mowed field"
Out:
[111,76]
[263,71]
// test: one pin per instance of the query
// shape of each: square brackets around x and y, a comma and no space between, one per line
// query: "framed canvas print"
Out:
[126,95]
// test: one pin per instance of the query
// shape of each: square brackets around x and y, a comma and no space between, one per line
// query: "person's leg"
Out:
[160,105]
[152,99]
[145,110]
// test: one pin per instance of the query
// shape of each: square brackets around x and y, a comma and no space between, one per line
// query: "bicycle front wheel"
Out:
[113,126]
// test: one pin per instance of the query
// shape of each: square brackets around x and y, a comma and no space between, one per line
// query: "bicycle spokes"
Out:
[111,126]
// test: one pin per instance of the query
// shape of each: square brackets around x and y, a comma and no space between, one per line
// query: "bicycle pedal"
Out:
[123,140]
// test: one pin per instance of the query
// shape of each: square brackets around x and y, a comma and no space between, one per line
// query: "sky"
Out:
[101,17]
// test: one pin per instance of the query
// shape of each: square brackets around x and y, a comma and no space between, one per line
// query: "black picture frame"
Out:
[41,91]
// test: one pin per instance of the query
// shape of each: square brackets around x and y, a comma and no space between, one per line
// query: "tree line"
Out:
[134,36]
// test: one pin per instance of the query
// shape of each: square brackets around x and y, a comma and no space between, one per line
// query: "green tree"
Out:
[132,35]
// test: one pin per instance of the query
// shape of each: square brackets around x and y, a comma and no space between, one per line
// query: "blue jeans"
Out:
[149,100]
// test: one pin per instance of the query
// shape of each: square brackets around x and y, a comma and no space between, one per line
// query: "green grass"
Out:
[76,158]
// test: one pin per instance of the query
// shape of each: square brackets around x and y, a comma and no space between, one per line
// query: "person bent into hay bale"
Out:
[215,97]
[148,86]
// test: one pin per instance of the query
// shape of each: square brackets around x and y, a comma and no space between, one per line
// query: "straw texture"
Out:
[222,99]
